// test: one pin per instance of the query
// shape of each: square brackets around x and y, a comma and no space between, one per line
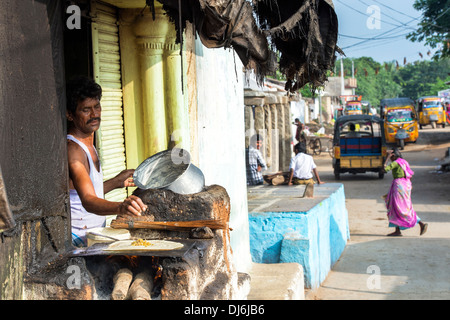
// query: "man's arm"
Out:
[79,175]
[291,175]
[261,161]
[122,180]
[316,173]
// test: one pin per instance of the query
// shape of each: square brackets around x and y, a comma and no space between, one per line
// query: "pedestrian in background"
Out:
[399,206]
[300,134]
[254,160]
[302,167]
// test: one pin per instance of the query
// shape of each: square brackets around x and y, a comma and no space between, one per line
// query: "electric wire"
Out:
[391,35]
[384,14]
[406,15]
[365,14]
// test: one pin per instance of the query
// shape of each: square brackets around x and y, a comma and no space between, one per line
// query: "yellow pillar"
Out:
[150,39]
[177,114]
[153,95]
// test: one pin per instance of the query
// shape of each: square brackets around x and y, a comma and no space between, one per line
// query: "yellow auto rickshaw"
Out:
[352,108]
[431,112]
[400,121]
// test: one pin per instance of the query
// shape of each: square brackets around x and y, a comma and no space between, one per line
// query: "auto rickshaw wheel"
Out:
[380,174]
[337,173]
[433,124]
[401,144]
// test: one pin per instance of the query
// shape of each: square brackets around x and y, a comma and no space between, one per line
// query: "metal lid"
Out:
[166,169]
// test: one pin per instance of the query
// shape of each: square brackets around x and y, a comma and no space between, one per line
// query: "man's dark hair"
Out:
[256,137]
[80,88]
[300,147]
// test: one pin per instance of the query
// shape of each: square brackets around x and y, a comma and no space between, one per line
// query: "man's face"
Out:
[258,144]
[87,115]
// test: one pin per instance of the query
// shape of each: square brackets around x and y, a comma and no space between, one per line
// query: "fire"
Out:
[131,261]
[157,269]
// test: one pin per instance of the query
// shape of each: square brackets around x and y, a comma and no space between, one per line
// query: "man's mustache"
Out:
[93,119]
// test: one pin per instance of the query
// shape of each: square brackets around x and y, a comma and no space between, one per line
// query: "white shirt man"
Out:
[302,167]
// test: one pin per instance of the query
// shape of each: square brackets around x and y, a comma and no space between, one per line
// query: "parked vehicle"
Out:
[431,112]
[400,121]
[359,145]
[353,107]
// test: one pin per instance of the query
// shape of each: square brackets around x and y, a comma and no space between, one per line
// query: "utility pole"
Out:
[353,75]
[342,76]
[342,82]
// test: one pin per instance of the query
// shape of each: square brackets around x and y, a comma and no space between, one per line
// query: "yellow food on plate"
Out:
[141,242]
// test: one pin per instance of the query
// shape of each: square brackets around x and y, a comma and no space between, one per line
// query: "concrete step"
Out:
[276,281]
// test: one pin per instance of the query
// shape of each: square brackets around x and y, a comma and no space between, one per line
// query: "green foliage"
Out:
[389,80]
[423,78]
[434,28]
[375,81]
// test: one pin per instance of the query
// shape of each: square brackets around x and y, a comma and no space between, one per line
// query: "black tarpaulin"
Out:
[305,34]
[302,32]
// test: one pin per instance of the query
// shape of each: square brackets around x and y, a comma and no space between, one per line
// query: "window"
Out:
[399,115]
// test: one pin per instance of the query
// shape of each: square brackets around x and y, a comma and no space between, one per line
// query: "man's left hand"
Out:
[125,178]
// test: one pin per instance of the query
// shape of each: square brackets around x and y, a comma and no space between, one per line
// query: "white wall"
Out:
[221,138]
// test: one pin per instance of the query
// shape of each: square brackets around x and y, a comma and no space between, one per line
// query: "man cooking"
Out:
[87,188]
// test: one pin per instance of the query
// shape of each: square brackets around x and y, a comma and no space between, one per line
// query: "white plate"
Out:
[157,245]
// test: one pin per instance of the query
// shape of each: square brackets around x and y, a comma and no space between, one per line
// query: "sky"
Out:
[378,28]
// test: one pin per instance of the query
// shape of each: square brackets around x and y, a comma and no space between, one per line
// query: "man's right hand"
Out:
[132,206]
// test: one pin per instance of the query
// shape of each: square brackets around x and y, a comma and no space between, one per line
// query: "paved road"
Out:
[376,267]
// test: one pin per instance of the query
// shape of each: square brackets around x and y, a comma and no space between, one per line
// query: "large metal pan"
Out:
[172,170]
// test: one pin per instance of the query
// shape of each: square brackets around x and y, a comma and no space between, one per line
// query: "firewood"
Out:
[122,280]
[141,287]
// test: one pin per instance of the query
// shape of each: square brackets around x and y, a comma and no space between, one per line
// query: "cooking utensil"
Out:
[172,170]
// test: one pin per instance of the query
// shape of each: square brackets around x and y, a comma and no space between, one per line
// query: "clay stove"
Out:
[202,269]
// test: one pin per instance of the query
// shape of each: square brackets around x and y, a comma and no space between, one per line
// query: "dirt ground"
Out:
[376,267]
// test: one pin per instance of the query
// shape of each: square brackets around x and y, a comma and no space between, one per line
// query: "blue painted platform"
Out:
[284,227]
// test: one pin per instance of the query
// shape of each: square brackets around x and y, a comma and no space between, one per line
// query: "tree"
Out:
[423,78]
[375,81]
[434,27]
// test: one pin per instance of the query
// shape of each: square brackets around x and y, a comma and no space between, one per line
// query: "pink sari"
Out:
[398,201]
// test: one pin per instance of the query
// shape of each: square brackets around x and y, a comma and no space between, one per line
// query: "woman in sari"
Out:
[399,206]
